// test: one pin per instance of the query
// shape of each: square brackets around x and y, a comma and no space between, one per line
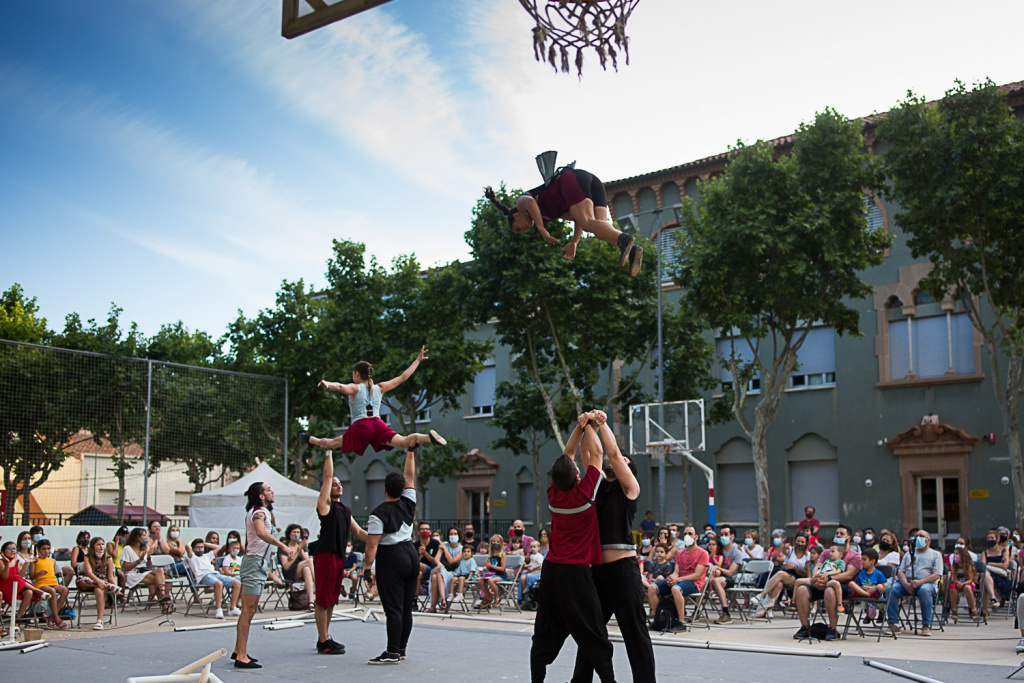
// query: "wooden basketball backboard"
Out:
[302,16]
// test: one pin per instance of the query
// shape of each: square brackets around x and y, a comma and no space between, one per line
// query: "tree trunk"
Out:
[548,404]
[121,469]
[539,489]
[759,448]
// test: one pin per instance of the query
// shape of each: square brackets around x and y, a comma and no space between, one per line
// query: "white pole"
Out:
[16,646]
[280,626]
[900,672]
[735,647]
[33,648]
[199,663]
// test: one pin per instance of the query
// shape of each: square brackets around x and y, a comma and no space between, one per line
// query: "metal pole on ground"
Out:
[900,672]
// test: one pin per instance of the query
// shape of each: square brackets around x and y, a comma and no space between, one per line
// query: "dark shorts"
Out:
[663,588]
[686,587]
[591,187]
[818,593]
[369,431]
[329,570]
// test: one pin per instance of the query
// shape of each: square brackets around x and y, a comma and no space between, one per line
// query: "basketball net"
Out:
[567,25]
[659,452]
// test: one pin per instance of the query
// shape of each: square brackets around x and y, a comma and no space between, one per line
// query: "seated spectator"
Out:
[544,536]
[689,575]
[114,549]
[351,569]
[647,524]
[518,530]
[888,549]
[515,546]
[724,575]
[43,573]
[655,579]
[26,554]
[98,577]
[231,563]
[647,548]
[870,541]
[58,554]
[709,533]
[963,578]
[809,524]
[177,549]
[870,583]
[429,550]
[715,552]
[751,548]
[779,549]
[858,539]
[79,551]
[492,573]
[665,536]
[531,572]
[234,536]
[11,582]
[201,563]
[833,565]
[469,536]
[157,544]
[918,574]
[463,572]
[299,567]
[138,569]
[212,543]
[813,589]
[441,574]
[997,576]
[795,566]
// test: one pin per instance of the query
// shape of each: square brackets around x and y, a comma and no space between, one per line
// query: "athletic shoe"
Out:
[219,614]
[437,439]
[803,633]
[764,614]
[401,653]
[765,602]
[678,627]
[636,255]
[329,647]
[385,658]
[625,244]
[723,619]
[831,634]
[234,612]
[926,631]
[1020,647]
[895,628]
[451,598]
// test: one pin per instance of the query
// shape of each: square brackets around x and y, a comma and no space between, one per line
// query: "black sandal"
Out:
[436,438]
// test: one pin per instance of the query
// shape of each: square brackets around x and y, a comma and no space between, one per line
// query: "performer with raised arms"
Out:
[568,604]
[367,429]
[576,195]
[617,578]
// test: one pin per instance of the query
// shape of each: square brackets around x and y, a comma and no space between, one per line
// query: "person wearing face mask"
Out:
[114,549]
[78,552]
[870,540]
[518,530]
[469,536]
[688,577]
[329,559]
[751,549]
[617,578]
[779,548]
[997,578]
[647,547]
[918,575]
[12,582]
[813,589]
[794,566]
[809,524]
[724,577]
[298,567]
[888,549]
[200,561]
[441,574]
[429,550]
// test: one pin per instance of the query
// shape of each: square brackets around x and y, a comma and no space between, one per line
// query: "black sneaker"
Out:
[329,647]
[625,244]
[303,436]
[803,633]
[636,255]
[831,634]
[437,439]
[385,658]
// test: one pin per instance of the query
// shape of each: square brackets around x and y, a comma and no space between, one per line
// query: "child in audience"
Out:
[964,579]
[870,582]
[232,564]
[465,571]
[43,573]
[11,582]
[516,543]
[493,573]
[531,572]
[98,576]
[833,564]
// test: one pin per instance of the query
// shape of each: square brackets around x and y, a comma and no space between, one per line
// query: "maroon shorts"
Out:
[329,570]
[369,431]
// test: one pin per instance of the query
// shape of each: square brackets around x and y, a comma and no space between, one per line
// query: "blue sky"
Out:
[182,159]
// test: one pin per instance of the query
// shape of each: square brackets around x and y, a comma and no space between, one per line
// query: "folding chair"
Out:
[480,560]
[865,603]
[83,595]
[699,600]
[981,569]
[513,564]
[178,587]
[747,583]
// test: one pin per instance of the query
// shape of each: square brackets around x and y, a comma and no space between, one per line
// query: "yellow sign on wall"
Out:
[500,502]
[977,493]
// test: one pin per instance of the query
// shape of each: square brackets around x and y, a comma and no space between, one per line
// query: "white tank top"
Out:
[363,398]
[254,545]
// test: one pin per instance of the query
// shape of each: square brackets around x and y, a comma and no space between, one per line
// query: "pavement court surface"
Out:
[483,651]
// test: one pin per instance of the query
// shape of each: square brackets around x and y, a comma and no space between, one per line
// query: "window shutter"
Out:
[899,349]
[963,344]
[931,346]
[818,352]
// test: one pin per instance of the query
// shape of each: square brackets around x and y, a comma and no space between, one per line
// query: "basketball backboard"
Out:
[302,16]
[677,425]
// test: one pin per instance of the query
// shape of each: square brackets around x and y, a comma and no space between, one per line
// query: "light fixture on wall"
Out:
[991,438]
[1005,481]
[882,442]
[867,483]
[504,493]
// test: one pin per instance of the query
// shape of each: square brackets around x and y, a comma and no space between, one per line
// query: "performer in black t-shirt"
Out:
[617,578]
[329,555]
[389,541]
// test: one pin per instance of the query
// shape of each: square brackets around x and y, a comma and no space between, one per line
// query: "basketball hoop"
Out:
[564,25]
[659,451]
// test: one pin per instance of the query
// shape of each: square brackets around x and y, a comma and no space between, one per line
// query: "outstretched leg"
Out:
[404,442]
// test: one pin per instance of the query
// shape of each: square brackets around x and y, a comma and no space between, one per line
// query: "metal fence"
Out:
[88,438]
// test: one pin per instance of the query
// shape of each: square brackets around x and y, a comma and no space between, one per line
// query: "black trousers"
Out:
[397,569]
[568,606]
[621,593]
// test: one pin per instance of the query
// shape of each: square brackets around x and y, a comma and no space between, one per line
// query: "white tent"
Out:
[224,508]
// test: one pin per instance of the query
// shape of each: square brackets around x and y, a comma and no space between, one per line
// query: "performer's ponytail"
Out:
[365,371]
[509,213]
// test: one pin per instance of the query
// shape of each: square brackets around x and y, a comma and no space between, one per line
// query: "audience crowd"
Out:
[891,582]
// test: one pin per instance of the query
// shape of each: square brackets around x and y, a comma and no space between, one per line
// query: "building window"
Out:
[483,391]
[875,217]
[816,360]
[743,355]
[931,342]
[422,410]
[669,253]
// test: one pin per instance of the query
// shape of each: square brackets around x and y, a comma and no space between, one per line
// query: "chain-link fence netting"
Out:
[79,432]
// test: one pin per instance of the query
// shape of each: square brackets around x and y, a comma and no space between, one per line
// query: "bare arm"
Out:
[357,531]
[574,442]
[625,476]
[266,537]
[392,383]
[590,450]
[410,469]
[347,389]
[370,555]
[323,503]
[532,208]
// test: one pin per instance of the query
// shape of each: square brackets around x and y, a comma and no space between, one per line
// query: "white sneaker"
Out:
[1020,646]
[234,612]
[460,598]
[219,614]
[451,598]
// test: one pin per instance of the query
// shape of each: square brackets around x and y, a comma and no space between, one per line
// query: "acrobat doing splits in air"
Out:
[576,195]
[367,429]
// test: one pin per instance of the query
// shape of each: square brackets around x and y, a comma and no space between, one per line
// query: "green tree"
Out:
[579,317]
[957,171]
[773,247]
